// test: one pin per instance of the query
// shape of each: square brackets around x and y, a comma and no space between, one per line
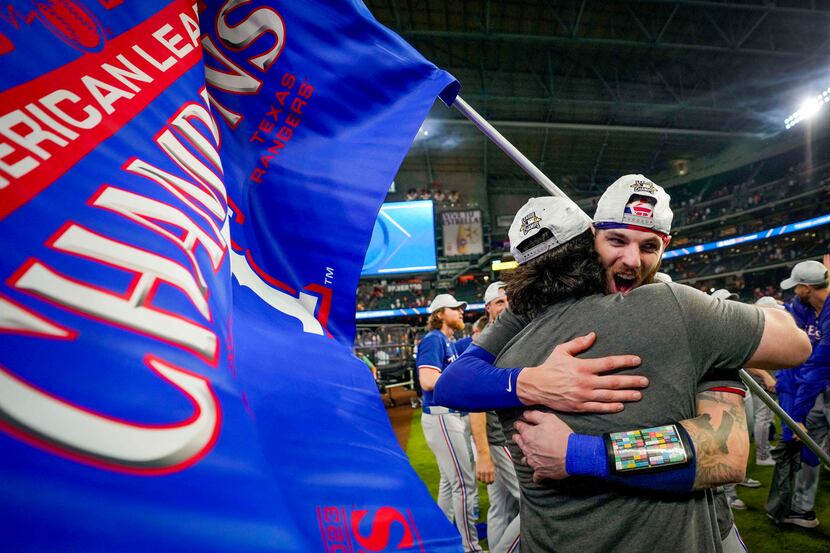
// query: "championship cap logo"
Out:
[640,206]
[529,222]
[644,186]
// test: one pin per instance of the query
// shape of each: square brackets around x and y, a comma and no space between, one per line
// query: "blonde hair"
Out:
[435,322]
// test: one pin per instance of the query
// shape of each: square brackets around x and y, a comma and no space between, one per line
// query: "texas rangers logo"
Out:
[814,333]
[529,222]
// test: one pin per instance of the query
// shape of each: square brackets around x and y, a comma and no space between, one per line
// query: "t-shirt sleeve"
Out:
[722,334]
[722,380]
[431,353]
[496,335]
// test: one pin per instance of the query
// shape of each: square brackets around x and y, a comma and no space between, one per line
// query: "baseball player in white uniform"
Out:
[447,430]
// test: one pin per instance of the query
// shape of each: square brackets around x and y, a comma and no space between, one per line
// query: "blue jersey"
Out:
[434,352]
[462,344]
[805,319]
[813,376]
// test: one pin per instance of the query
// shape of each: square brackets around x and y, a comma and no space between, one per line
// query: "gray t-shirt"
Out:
[495,433]
[507,325]
[680,334]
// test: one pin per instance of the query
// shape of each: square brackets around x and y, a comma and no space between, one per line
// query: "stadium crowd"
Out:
[757,192]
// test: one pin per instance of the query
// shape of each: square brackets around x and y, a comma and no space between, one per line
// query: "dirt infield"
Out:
[401,414]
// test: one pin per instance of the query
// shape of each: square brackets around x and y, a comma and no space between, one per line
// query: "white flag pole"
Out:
[508,148]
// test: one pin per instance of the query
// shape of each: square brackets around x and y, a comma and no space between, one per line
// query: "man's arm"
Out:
[719,436]
[562,382]
[783,345]
[485,470]
[428,376]
[766,377]
[430,361]
[569,384]
[721,439]
[728,334]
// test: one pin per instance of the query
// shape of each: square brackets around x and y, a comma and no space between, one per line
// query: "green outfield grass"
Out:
[423,461]
[760,534]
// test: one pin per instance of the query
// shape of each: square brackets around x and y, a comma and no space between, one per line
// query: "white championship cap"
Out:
[806,272]
[634,200]
[768,301]
[561,216]
[724,294]
[492,291]
[662,277]
[445,300]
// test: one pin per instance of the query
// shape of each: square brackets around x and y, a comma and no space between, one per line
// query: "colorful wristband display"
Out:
[660,459]
[646,449]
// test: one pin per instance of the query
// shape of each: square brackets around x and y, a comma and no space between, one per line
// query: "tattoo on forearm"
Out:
[720,437]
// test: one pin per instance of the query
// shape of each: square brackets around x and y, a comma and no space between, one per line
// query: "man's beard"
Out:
[649,278]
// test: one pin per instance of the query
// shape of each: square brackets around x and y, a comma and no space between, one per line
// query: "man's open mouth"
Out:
[624,283]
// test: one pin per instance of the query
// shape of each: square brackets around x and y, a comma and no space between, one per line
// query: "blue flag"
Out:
[186,196]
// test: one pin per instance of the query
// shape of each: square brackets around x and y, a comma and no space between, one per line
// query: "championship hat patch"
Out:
[640,206]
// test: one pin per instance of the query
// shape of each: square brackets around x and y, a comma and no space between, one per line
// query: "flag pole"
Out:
[785,418]
[512,152]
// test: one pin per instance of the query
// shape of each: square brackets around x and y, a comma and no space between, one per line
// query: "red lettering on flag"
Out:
[88,104]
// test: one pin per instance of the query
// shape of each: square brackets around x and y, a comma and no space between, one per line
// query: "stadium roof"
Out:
[593,90]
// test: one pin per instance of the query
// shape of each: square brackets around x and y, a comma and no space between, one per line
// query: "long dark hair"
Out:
[571,270]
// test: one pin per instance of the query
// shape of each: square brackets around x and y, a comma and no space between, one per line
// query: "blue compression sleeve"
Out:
[471,383]
[587,456]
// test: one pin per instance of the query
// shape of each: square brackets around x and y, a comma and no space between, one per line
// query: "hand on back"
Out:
[567,383]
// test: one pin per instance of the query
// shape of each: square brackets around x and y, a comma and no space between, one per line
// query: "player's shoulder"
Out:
[666,291]
[432,336]
[681,292]
[667,300]
[509,318]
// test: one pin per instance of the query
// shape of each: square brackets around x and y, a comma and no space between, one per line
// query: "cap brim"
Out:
[788,283]
[461,304]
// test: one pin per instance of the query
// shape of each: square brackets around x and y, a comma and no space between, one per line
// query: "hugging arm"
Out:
[562,382]
[719,438]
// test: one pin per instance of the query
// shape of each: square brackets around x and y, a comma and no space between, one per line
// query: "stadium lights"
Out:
[808,109]
[426,130]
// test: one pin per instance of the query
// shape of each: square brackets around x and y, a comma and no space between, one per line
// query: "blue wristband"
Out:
[586,456]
